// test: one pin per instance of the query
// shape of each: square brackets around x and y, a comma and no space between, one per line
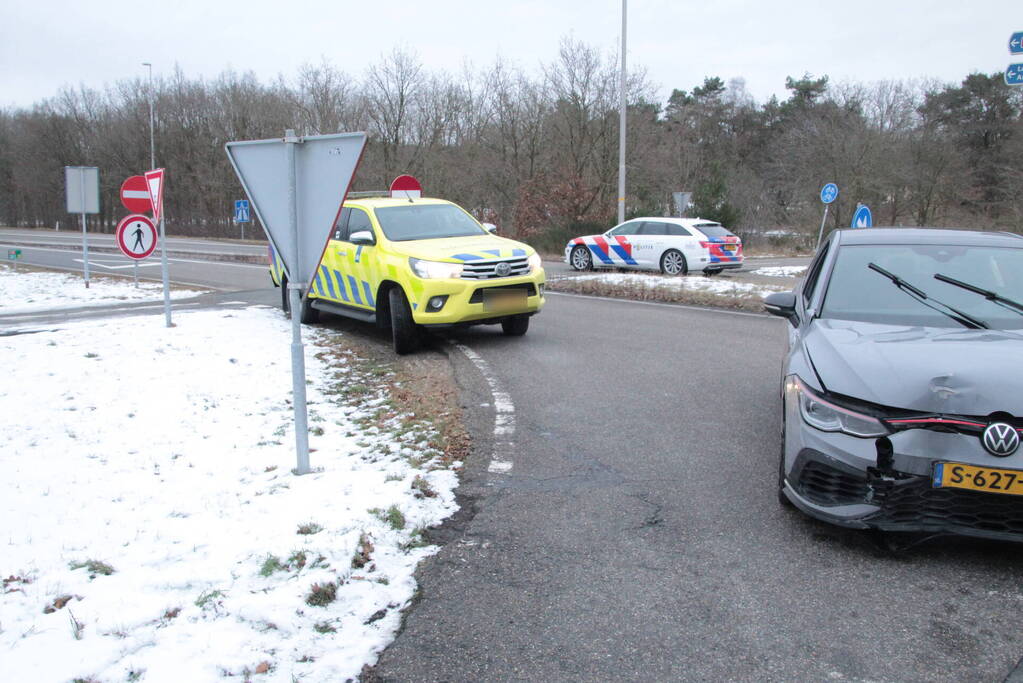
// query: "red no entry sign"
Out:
[135,195]
[406,186]
[136,236]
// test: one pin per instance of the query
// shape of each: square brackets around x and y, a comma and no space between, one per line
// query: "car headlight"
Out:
[535,262]
[828,417]
[430,270]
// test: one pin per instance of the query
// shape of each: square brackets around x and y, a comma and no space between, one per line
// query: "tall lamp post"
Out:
[621,129]
[163,231]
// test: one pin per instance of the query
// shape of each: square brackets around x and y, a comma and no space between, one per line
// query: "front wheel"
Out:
[516,325]
[404,331]
[674,263]
[580,258]
[285,303]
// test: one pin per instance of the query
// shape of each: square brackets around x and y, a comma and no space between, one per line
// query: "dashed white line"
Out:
[504,414]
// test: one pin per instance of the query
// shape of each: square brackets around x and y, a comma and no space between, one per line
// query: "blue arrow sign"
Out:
[241,211]
[862,218]
[829,193]
[1016,43]
[1014,74]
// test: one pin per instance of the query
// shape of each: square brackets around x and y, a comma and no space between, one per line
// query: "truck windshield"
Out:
[426,221]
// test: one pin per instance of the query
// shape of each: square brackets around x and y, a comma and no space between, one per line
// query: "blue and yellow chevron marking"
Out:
[490,254]
[330,284]
[276,267]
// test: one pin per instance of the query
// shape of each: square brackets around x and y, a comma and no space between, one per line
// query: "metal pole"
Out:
[621,129]
[823,221]
[136,271]
[85,236]
[295,300]
[163,222]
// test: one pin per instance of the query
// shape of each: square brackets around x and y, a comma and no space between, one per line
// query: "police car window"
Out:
[341,227]
[630,228]
[425,221]
[678,230]
[654,228]
[713,230]
[358,221]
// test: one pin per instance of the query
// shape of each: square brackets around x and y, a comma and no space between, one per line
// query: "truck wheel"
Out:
[516,325]
[285,303]
[404,331]
[309,314]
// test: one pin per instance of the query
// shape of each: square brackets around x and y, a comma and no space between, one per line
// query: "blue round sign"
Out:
[862,218]
[829,193]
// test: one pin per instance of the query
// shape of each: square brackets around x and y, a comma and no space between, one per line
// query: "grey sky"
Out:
[45,44]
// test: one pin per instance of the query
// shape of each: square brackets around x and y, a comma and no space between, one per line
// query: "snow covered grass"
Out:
[152,528]
[692,289]
[28,291]
[781,271]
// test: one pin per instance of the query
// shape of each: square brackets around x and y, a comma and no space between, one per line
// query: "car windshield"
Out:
[857,292]
[713,230]
[426,221]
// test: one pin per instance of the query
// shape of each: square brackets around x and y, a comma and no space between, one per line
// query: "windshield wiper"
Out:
[963,319]
[997,298]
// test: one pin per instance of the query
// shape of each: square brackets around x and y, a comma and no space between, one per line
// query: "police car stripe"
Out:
[369,295]
[620,250]
[355,289]
[326,278]
[467,257]
[339,280]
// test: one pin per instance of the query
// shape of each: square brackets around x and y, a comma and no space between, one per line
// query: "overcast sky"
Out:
[45,44]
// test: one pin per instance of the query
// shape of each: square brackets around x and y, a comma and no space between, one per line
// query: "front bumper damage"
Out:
[886,483]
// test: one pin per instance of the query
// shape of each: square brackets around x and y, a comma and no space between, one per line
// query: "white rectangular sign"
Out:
[82,189]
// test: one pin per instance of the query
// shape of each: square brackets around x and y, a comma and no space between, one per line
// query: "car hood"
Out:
[462,249]
[926,369]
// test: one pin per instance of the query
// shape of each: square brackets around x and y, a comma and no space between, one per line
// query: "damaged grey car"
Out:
[903,383]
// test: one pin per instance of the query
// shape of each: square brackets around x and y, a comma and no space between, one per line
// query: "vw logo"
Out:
[502,269]
[1000,439]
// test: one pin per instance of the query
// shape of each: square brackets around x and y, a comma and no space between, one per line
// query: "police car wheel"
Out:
[581,259]
[285,304]
[674,263]
[404,331]
[516,325]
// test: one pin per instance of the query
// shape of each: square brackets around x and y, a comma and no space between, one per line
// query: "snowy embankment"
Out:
[696,289]
[27,291]
[152,529]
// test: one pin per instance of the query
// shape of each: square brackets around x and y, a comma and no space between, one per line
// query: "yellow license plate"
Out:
[989,479]
[729,247]
[504,300]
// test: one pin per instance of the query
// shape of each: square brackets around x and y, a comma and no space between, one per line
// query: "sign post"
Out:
[241,213]
[298,218]
[13,255]
[829,193]
[82,184]
[154,185]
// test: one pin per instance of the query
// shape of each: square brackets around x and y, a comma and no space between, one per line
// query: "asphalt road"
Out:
[637,535]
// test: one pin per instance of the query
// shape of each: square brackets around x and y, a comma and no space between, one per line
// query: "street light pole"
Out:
[621,129]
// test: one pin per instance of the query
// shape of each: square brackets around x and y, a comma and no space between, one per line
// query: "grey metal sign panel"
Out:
[324,166]
[82,184]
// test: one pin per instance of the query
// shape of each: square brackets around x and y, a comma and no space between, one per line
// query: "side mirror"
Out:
[491,228]
[783,305]
[363,237]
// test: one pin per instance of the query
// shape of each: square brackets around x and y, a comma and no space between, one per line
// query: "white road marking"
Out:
[504,414]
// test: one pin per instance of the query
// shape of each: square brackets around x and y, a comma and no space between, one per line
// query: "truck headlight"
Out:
[535,262]
[829,417]
[430,270]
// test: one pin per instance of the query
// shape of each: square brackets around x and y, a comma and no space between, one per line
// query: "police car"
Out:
[408,263]
[674,246]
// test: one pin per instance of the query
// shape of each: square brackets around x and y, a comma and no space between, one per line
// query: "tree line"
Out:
[537,152]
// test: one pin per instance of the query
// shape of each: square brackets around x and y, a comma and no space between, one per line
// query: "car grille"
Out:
[916,505]
[477,295]
[486,270]
[826,485]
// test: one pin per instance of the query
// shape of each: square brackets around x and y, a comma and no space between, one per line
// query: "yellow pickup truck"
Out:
[411,263]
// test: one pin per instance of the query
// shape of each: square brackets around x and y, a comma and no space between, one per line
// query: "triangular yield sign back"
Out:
[324,166]
[154,179]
